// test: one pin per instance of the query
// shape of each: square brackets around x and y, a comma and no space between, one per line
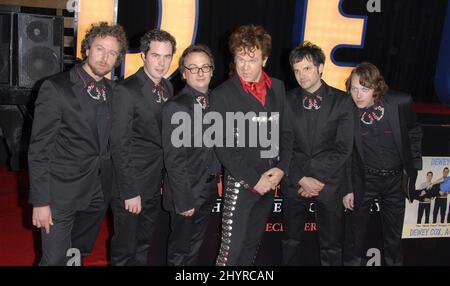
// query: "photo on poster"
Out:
[428,215]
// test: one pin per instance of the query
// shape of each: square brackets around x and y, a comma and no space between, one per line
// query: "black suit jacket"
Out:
[67,152]
[324,156]
[188,167]
[245,163]
[136,137]
[407,135]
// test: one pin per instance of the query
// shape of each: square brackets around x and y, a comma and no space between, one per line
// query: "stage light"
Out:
[179,18]
[330,28]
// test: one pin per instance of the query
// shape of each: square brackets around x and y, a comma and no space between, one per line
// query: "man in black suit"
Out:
[322,122]
[193,170]
[251,171]
[137,150]
[69,156]
[440,201]
[424,197]
[387,149]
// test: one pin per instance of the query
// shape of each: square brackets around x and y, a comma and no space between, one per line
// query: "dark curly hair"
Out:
[159,36]
[248,38]
[370,77]
[309,51]
[103,29]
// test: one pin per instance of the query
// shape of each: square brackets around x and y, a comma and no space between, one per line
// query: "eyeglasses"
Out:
[195,70]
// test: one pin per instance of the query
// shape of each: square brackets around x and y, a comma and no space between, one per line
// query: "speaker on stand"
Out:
[40,47]
[31,49]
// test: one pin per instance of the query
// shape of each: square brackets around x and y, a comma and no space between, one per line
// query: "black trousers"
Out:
[73,229]
[187,233]
[440,204]
[388,190]
[424,209]
[130,244]
[244,216]
[448,215]
[329,228]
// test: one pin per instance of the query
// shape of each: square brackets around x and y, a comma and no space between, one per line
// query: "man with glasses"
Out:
[137,150]
[192,169]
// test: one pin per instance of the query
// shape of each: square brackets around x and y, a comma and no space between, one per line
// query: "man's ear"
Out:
[320,69]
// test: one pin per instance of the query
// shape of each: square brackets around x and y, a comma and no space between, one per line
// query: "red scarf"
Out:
[258,89]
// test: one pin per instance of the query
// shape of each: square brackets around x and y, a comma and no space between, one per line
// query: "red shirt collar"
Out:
[258,89]
[263,79]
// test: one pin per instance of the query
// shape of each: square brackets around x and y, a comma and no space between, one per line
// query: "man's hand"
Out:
[274,175]
[42,217]
[311,185]
[133,205]
[349,201]
[306,194]
[263,186]
[188,213]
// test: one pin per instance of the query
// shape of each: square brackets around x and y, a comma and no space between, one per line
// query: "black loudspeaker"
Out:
[6,24]
[31,47]
[40,47]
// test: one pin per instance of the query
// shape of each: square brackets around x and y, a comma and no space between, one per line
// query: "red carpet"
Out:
[19,239]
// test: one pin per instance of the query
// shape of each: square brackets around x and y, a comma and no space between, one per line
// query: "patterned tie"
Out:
[203,100]
[96,91]
[372,114]
[312,102]
[159,92]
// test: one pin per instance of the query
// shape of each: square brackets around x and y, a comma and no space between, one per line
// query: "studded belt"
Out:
[383,172]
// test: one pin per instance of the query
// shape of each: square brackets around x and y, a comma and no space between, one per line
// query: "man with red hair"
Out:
[250,176]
